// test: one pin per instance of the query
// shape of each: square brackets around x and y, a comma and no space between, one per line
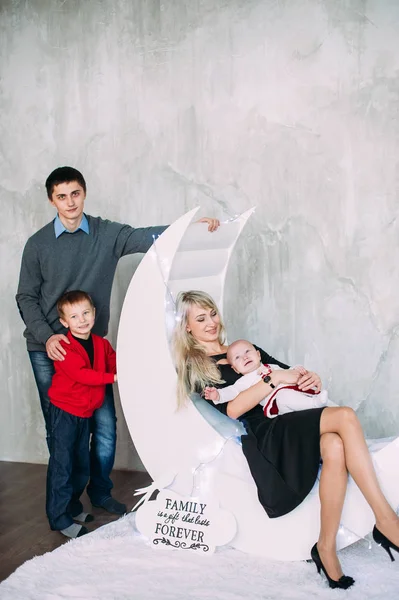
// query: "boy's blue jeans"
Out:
[68,466]
[102,426]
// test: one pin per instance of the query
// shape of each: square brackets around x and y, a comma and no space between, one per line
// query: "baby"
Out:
[246,360]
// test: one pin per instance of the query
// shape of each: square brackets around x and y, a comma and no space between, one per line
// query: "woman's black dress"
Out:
[283,453]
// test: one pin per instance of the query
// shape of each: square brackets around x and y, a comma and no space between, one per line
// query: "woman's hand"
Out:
[286,376]
[308,381]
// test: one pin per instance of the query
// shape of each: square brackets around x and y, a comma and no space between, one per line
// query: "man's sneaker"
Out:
[112,506]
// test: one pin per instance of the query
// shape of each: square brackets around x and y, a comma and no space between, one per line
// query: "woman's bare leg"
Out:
[344,422]
[332,488]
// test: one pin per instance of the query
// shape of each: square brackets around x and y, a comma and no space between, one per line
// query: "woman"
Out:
[284,453]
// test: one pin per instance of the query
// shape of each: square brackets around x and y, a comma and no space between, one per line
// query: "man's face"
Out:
[68,199]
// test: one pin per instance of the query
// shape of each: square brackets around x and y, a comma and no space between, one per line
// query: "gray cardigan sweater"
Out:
[73,261]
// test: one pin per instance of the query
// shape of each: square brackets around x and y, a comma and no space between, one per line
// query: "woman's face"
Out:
[203,323]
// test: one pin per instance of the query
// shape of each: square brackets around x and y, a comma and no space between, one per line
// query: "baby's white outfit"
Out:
[283,399]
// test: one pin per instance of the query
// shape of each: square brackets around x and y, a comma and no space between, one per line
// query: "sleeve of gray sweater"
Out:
[130,240]
[29,289]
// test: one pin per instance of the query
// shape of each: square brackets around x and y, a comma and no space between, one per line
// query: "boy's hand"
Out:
[115,378]
[53,347]
[211,393]
[213,224]
[300,369]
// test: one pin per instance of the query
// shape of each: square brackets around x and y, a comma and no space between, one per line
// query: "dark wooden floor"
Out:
[24,529]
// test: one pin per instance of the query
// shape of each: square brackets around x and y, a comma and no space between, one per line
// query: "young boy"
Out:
[77,390]
[245,359]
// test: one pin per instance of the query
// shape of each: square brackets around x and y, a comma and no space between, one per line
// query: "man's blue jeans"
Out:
[103,428]
[68,467]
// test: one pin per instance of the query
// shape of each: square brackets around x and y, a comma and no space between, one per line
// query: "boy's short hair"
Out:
[64,175]
[72,297]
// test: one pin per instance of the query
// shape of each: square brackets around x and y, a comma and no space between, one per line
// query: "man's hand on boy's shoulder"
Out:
[54,349]
[213,224]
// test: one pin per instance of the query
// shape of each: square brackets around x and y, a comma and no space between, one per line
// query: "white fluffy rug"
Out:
[115,563]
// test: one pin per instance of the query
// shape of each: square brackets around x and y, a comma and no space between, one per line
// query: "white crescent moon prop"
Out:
[186,257]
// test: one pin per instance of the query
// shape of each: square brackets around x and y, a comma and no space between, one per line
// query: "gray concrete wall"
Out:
[290,106]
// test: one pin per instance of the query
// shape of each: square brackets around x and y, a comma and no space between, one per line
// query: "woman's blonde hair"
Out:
[195,369]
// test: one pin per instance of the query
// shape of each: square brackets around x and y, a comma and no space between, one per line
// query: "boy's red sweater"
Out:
[77,387]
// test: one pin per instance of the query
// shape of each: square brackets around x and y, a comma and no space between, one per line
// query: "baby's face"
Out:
[243,357]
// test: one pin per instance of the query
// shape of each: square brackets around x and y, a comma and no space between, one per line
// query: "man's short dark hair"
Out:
[72,297]
[64,175]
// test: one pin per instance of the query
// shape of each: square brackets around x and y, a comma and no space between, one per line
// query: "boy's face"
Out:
[68,199]
[79,318]
[243,357]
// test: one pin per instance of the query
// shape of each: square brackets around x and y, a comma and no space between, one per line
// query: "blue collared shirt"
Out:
[59,227]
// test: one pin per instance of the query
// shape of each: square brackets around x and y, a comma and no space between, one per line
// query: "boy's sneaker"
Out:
[74,531]
[84,517]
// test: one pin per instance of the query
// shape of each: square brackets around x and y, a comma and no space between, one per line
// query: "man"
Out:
[76,251]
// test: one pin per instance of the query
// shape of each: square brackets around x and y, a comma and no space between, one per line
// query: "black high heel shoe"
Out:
[383,541]
[343,582]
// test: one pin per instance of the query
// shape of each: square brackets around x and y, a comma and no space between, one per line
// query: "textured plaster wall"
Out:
[290,106]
